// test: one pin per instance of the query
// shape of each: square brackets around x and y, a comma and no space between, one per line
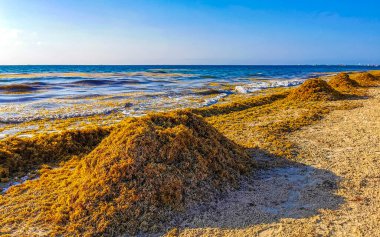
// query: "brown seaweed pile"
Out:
[151,167]
[314,90]
[342,82]
[365,79]
[20,155]
[144,170]
[239,105]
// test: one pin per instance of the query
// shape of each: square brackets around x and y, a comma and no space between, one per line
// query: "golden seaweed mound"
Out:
[314,90]
[20,155]
[365,79]
[342,82]
[145,170]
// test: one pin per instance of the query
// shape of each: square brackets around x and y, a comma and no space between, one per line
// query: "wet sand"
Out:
[331,189]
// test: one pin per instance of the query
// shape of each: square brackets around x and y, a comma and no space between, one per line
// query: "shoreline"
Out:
[265,126]
[27,117]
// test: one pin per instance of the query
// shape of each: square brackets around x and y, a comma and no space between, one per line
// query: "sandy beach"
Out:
[161,118]
[330,190]
[297,161]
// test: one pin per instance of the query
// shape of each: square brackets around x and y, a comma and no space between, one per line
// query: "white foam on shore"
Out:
[14,183]
[170,103]
[214,100]
[264,84]
[28,116]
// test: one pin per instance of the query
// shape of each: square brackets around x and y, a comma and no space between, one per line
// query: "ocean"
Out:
[47,92]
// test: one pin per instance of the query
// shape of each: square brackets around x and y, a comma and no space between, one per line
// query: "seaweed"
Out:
[314,90]
[144,170]
[239,105]
[151,167]
[208,92]
[342,82]
[20,155]
[365,79]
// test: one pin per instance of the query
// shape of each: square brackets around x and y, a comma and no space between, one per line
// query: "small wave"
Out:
[17,99]
[259,85]
[158,71]
[169,70]
[159,74]
[12,183]
[20,119]
[214,100]
[93,82]
[245,90]
[208,92]
[102,82]
[79,97]
[18,88]
[131,81]
[208,77]
[118,97]
[38,83]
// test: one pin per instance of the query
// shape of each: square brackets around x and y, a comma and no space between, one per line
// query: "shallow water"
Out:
[38,92]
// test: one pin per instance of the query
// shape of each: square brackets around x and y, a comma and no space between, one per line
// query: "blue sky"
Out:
[189,32]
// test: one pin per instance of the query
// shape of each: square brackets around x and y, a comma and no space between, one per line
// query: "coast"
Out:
[312,152]
[330,190]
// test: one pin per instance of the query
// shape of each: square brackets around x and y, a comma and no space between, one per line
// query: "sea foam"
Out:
[259,85]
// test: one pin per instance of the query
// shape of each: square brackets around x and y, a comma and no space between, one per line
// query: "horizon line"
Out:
[363,65]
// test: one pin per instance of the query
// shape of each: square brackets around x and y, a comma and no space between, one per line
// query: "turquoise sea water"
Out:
[33,92]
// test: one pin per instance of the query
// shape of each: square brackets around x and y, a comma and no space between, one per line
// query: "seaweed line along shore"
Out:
[242,166]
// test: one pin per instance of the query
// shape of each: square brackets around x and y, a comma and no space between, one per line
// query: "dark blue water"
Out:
[27,92]
[219,71]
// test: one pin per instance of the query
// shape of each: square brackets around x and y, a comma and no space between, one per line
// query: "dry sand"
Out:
[332,189]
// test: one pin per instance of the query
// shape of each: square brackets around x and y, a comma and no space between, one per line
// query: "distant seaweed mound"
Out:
[146,169]
[365,79]
[342,82]
[314,90]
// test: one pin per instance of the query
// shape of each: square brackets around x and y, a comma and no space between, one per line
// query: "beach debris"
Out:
[145,170]
[22,154]
[17,88]
[150,164]
[342,82]
[208,92]
[128,105]
[239,104]
[314,90]
[365,79]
